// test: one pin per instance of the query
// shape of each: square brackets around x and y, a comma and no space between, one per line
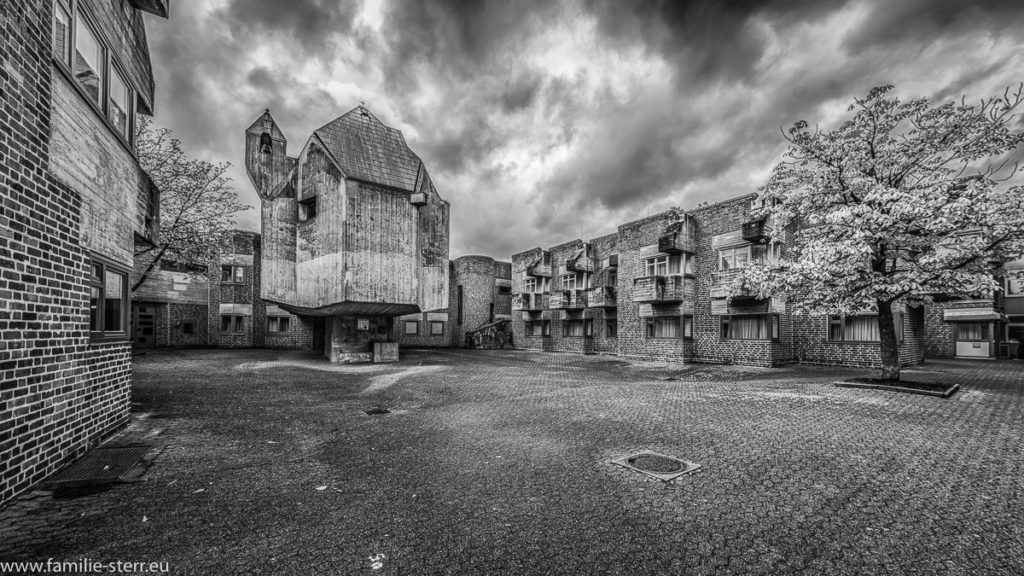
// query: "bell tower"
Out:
[266,158]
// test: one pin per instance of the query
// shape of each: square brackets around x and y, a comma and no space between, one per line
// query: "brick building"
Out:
[170,308]
[73,202]
[659,288]
[354,231]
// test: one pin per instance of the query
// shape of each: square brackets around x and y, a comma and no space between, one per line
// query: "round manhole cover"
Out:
[657,464]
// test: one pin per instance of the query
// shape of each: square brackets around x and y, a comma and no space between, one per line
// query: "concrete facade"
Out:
[74,203]
[353,230]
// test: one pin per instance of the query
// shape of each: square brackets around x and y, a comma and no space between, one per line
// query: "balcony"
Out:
[581,263]
[721,283]
[539,270]
[530,302]
[676,242]
[602,297]
[655,289]
[568,300]
[756,231]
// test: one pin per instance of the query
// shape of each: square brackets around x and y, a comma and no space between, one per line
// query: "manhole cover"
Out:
[377,411]
[665,468]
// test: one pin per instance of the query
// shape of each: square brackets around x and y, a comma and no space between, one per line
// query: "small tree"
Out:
[197,202]
[905,201]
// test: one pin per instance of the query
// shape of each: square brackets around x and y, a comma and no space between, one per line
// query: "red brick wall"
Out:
[59,394]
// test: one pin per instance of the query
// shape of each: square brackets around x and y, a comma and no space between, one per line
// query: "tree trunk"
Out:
[889,341]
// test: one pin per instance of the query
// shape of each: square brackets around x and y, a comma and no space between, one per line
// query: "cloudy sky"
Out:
[541,121]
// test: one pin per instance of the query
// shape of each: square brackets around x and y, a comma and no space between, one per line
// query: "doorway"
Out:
[144,325]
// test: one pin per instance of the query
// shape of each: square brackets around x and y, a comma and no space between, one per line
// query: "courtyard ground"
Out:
[498,462]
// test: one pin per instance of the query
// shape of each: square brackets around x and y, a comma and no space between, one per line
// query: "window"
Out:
[233,324]
[766,252]
[412,327]
[664,327]
[663,265]
[119,106]
[569,282]
[688,327]
[266,144]
[733,258]
[188,328]
[972,331]
[750,327]
[232,274]
[530,285]
[545,327]
[61,31]
[436,328]
[108,300]
[546,259]
[578,328]
[611,328]
[504,289]
[277,324]
[860,328]
[613,276]
[1015,284]
[490,314]
[307,209]
[89,58]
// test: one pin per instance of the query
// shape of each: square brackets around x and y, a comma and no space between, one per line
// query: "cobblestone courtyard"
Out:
[498,462]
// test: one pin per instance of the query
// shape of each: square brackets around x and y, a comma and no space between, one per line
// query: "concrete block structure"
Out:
[661,288]
[73,203]
[353,230]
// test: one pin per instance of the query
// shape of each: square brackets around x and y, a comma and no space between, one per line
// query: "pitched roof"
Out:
[368,150]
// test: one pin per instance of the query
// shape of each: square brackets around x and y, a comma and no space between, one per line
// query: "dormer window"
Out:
[307,209]
[266,145]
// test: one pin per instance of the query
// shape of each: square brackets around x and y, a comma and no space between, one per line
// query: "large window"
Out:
[538,328]
[972,331]
[664,265]
[93,67]
[277,323]
[665,327]
[233,324]
[860,328]
[108,300]
[733,258]
[578,328]
[412,327]
[750,327]
[232,274]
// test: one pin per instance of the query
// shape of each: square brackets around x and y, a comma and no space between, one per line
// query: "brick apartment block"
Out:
[73,203]
[660,288]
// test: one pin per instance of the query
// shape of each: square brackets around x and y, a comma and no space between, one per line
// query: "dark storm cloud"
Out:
[310,23]
[922,22]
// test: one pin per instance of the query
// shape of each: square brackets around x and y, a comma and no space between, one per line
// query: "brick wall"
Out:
[59,394]
[939,335]
[812,345]
[175,316]
[476,276]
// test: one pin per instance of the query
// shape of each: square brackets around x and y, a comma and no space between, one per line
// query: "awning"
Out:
[971,315]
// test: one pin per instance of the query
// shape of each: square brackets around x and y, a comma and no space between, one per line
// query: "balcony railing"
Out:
[579,264]
[663,289]
[676,242]
[530,301]
[602,297]
[539,270]
[721,283]
[568,299]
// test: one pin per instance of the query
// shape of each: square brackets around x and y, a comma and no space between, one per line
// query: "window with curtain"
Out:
[860,328]
[972,331]
[663,265]
[750,327]
[277,324]
[733,258]
[664,327]
[574,328]
[611,328]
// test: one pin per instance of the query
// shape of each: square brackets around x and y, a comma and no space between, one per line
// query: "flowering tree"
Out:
[197,202]
[904,201]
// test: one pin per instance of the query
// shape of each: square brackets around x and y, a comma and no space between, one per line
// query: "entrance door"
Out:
[144,323]
[1015,340]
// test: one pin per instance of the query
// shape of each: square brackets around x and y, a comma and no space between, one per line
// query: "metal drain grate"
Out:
[665,468]
[377,411]
[102,465]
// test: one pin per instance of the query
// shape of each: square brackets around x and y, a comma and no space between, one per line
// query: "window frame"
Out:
[405,328]
[305,206]
[611,328]
[651,327]
[76,11]
[285,320]
[236,270]
[566,279]
[434,323]
[98,283]
[774,328]
[899,319]
[240,318]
